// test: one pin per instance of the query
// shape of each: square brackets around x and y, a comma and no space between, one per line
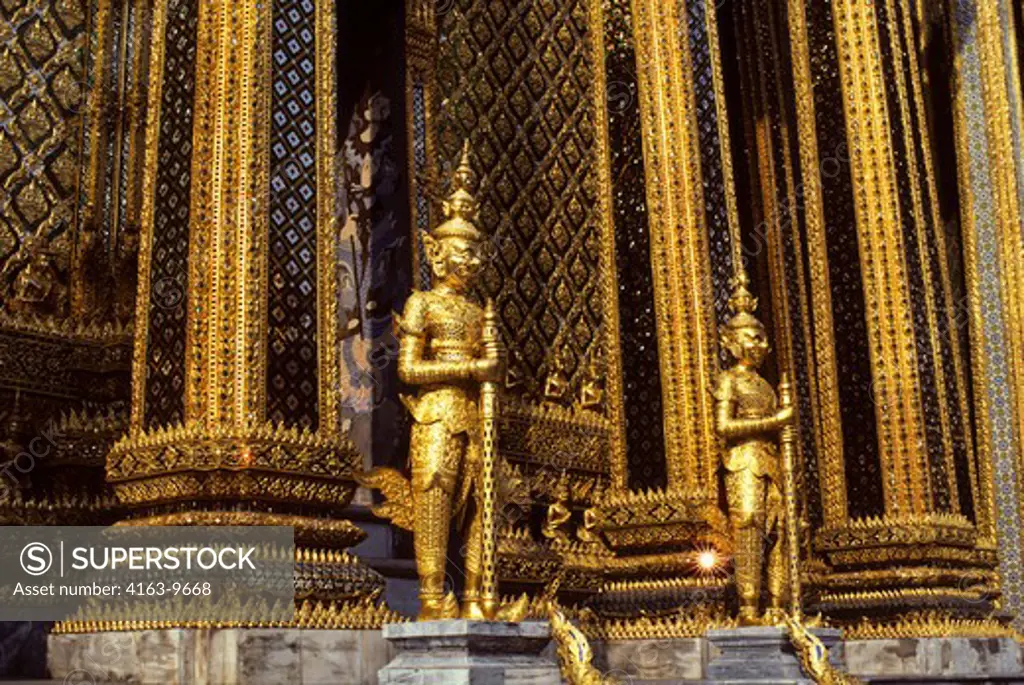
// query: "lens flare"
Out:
[708,560]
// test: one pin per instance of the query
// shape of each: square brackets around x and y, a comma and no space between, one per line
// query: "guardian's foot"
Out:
[472,610]
[749,617]
[438,607]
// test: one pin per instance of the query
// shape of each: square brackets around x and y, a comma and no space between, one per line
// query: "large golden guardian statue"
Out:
[448,353]
[748,417]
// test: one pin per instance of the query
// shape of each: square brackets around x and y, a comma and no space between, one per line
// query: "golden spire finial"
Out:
[460,207]
[460,203]
[742,300]
[742,303]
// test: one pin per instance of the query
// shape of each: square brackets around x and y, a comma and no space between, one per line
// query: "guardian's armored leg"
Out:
[471,607]
[747,517]
[436,456]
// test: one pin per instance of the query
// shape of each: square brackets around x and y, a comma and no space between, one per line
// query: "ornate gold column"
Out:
[688,289]
[690,237]
[900,416]
[234,414]
[987,117]
[784,235]
[932,506]
[674,214]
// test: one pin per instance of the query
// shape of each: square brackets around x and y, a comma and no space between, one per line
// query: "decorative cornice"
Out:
[365,614]
[902,576]
[321,532]
[902,598]
[64,509]
[930,624]
[659,518]
[84,436]
[554,436]
[657,584]
[196,461]
[523,559]
[683,625]
[67,328]
[923,529]
[198,447]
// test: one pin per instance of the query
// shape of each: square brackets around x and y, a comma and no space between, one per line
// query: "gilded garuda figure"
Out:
[442,351]
[748,417]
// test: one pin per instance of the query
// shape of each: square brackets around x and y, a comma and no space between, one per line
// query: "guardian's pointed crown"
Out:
[460,207]
[743,304]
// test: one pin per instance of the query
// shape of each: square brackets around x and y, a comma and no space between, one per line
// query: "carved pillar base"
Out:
[324,572]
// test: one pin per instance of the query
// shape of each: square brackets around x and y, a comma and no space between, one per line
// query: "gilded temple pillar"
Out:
[666,106]
[987,115]
[691,206]
[899,475]
[235,418]
[420,89]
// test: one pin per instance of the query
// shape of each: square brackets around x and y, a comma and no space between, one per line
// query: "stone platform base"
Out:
[918,660]
[759,655]
[738,656]
[655,660]
[220,656]
[458,652]
[354,657]
[943,659]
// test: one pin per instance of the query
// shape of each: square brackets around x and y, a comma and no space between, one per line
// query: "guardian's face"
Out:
[751,344]
[462,261]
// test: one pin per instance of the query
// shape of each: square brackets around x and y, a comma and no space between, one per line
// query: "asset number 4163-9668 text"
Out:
[158,589]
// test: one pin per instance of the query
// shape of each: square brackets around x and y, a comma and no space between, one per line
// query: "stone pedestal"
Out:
[220,656]
[759,655]
[653,660]
[459,652]
[937,658]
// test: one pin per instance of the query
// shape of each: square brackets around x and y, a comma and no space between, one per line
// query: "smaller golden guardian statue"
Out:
[449,350]
[748,417]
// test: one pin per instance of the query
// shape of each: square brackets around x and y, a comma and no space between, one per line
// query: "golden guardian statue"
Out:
[450,352]
[748,417]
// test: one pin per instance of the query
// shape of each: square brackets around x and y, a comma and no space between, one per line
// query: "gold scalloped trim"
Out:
[105,332]
[688,625]
[361,615]
[930,624]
